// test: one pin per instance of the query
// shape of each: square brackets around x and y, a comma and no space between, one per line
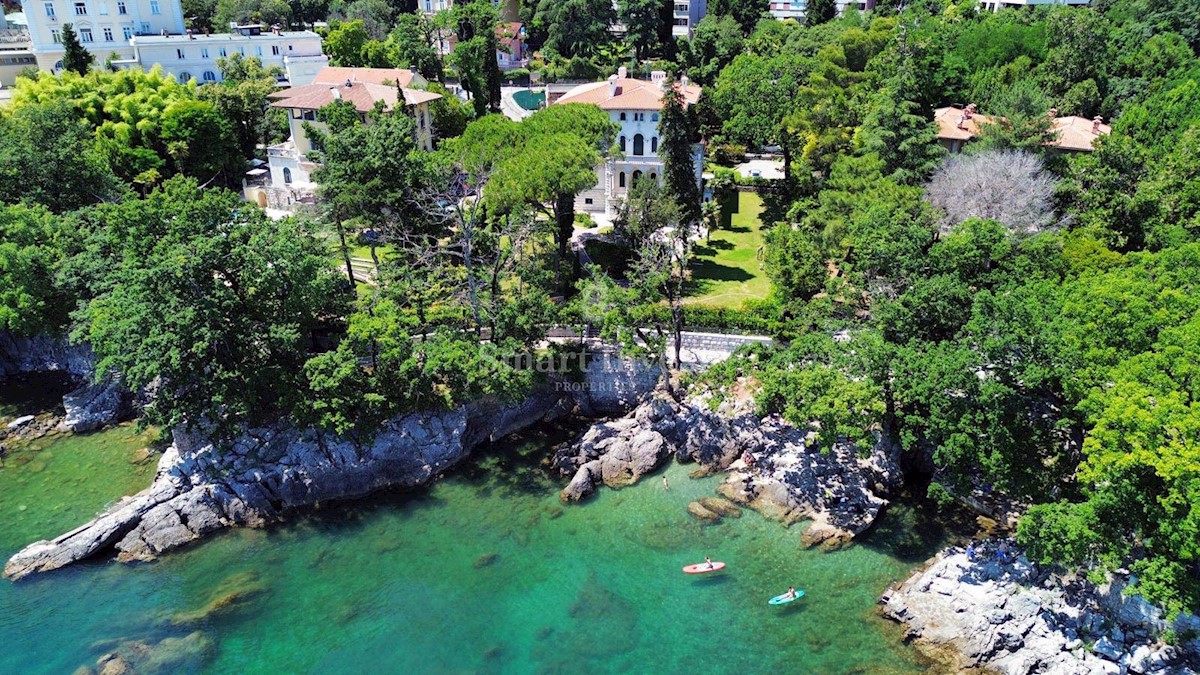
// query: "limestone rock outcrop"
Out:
[1012,617]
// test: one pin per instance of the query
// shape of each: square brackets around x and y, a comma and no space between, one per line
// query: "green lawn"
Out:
[728,272]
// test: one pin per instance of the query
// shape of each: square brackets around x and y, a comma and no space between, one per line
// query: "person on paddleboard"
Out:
[791,594]
[708,562]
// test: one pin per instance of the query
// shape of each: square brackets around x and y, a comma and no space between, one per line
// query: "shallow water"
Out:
[483,572]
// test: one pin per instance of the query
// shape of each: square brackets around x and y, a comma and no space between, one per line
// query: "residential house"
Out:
[794,9]
[289,165]
[635,105]
[15,55]
[512,46]
[685,15]
[145,33]
[996,5]
[959,126]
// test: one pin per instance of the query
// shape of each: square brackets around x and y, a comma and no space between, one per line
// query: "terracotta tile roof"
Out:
[336,75]
[1077,133]
[630,94]
[954,124]
[362,95]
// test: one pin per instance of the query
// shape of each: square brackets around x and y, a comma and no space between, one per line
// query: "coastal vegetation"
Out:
[1032,336]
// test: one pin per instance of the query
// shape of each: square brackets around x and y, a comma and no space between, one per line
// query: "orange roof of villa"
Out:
[363,95]
[956,125]
[1077,133]
[336,75]
[630,94]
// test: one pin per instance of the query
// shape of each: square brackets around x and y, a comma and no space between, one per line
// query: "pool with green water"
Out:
[483,572]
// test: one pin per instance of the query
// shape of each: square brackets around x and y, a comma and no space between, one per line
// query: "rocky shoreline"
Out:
[267,472]
[1015,617]
[772,466]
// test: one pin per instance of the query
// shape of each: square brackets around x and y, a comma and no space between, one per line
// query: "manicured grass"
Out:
[727,271]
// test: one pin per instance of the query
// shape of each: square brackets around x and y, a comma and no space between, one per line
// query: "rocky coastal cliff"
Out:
[772,466]
[1014,617]
[266,472]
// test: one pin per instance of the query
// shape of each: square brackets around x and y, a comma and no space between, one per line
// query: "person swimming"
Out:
[666,484]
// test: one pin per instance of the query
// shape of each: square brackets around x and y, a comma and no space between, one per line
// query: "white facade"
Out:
[298,53]
[794,9]
[104,27]
[145,33]
[685,16]
[994,6]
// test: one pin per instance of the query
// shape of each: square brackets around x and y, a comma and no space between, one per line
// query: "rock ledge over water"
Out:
[791,479]
[1016,618]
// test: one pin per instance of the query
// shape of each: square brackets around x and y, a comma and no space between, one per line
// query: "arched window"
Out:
[58,66]
[621,179]
[654,145]
[654,177]
[637,175]
[185,76]
[622,117]
[287,176]
[210,76]
[639,145]
[622,144]
[654,117]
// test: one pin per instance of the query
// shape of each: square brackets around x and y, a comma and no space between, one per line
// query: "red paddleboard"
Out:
[703,568]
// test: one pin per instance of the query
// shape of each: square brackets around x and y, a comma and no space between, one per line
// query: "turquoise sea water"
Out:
[483,572]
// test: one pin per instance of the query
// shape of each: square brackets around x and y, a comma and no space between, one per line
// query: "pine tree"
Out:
[896,131]
[76,57]
[679,170]
[819,11]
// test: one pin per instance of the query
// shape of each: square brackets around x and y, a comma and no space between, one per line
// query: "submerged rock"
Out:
[702,513]
[169,655]
[233,593]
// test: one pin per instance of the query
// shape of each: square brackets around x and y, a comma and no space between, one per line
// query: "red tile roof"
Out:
[362,95]
[1077,133]
[393,76]
[954,124]
[630,94]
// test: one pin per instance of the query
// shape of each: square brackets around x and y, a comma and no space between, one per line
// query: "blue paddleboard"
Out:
[783,599]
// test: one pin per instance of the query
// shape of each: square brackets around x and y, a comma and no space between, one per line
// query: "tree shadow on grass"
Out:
[712,271]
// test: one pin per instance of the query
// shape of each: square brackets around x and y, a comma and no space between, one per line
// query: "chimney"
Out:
[658,77]
[1053,113]
[349,83]
[412,69]
[622,72]
[962,121]
[683,80]
[1096,122]
[969,111]
[337,95]
[612,85]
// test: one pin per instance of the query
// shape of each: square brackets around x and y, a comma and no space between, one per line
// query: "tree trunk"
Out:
[345,251]
[564,216]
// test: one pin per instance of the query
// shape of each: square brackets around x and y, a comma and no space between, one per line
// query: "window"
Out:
[639,145]
[257,50]
[145,28]
[654,177]
[121,9]
[204,52]
[654,144]
[85,35]
[587,200]
[49,9]
[654,117]
[637,175]
[127,32]
[622,117]
[179,53]
[274,50]
[621,179]
[287,176]
[81,9]
[154,8]
[57,66]
[622,144]
[56,36]
[210,76]
[185,76]
[242,51]
[108,36]
[222,52]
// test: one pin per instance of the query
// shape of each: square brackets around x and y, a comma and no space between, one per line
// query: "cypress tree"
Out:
[679,171]
[76,57]
[819,11]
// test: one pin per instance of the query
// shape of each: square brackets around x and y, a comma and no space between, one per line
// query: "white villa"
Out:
[143,33]
[289,166]
[636,105]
